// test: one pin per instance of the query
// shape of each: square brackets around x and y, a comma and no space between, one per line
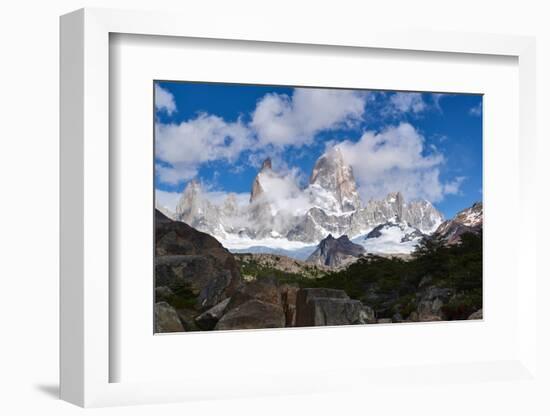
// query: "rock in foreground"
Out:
[321,307]
[253,314]
[254,305]
[188,260]
[166,318]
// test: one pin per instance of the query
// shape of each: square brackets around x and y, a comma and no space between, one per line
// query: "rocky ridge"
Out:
[336,252]
[329,204]
[469,220]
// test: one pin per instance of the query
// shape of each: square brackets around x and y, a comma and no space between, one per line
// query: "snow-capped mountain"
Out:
[257,188]
[392,237]
[282,214]
[332,181]
[468,220]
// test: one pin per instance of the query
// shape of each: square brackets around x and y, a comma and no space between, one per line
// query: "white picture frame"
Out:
[85,212]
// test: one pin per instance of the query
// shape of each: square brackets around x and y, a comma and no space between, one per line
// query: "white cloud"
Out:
[283,192]
[436,98]
[280,120]
[169,200]
[219,197]
[396,159]
[476,110]
[453,187]
[166,199]
[164,100]
[407,102]
[187,145]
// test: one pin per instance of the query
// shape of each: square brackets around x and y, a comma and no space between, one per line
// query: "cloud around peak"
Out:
[392,157]
[396,158]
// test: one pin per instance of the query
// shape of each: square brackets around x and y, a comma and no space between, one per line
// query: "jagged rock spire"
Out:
[257,189]
[334,175]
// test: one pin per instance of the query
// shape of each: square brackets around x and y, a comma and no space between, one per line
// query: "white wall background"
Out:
[29,57]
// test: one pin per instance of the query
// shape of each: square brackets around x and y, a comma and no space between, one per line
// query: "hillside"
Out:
[256,265]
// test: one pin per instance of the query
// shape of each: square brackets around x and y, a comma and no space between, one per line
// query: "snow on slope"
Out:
[390,238]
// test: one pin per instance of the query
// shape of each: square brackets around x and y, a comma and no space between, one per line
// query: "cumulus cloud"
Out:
[278,121]
[164,100]
[283,192]
[396,159]
[281,120]
[407,102]
[167,200]
[476,110]
[185,146]
[453,187]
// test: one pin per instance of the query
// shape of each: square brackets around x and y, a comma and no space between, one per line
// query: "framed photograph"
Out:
[281,206]
[319,201]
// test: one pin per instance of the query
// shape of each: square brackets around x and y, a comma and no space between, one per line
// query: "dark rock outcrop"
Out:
[208,320]
[288,298]
[254,305]
[187,259]
[253,314]
[335,252]
[166,318]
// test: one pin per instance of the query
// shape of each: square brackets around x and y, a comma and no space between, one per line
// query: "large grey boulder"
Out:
[208,320]
[253,314]
[264,290]
[430,304]
[367,315]
[166,318]
[477,314]
[254,305]
[289,295]
[320,307]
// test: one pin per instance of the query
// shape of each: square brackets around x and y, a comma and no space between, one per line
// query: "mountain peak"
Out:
[336,252]
[469,220]
[266,164]
[257,189]
[332,174]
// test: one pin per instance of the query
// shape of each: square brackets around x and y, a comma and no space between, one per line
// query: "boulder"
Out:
[199,273]
[163,293]
[320,306]
[367,315]
[430,302]
[477,314]
[166,318]
[253,314]
[384,321]
[265,290]
[397,317]
[208,320]
[288,298]
[187,318]
[189,260]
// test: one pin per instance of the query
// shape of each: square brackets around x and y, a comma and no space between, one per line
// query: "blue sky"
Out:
[422,144]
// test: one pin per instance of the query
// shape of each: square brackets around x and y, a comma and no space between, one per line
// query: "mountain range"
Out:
[289,218]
